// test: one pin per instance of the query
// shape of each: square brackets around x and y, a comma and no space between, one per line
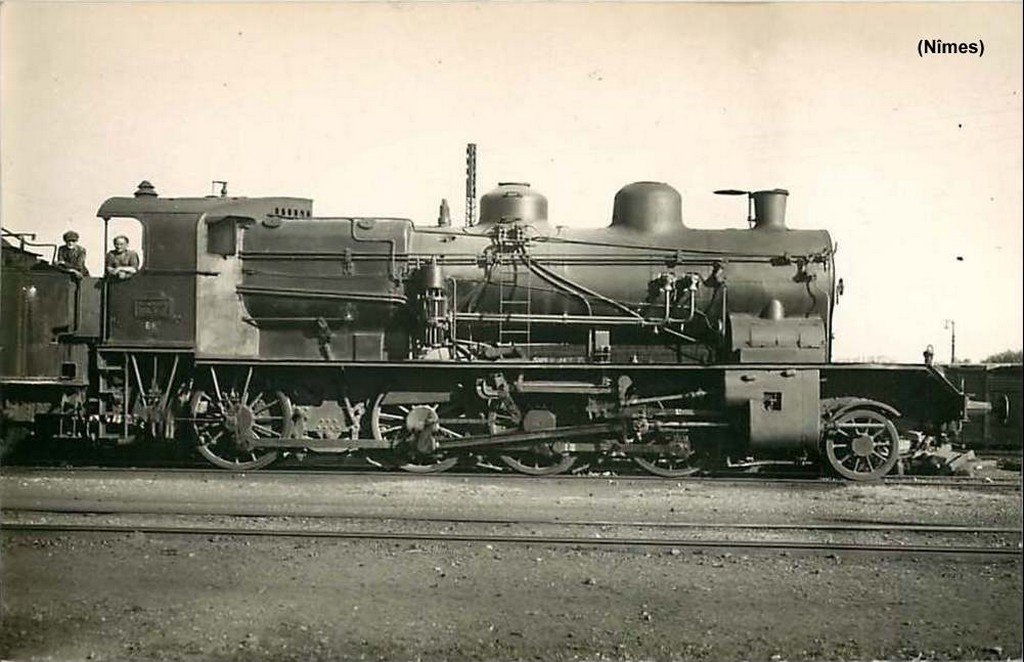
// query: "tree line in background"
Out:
[1008,356]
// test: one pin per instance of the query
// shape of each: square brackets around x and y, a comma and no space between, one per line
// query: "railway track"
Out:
[94,509]
[995,484]
[582,541]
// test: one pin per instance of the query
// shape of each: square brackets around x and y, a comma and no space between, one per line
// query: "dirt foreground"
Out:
[172,597]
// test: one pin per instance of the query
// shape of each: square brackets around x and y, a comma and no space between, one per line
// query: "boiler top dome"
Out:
[513,202]
[649,207]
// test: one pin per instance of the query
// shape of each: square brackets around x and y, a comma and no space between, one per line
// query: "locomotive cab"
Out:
[183,295]
[155,306]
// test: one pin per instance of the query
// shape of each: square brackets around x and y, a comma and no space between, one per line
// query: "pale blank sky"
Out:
[908,161]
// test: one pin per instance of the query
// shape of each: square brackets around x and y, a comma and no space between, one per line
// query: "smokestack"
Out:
[770,209]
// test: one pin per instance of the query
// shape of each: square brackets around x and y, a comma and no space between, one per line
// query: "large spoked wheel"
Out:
[390,422]
[230,424]
[862,444]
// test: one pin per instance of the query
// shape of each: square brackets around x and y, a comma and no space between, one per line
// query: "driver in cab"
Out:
[122,262]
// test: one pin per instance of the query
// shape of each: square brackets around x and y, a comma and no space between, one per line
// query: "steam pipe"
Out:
[589,292]
[546,277]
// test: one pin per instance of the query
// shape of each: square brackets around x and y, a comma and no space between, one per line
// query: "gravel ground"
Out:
[400,495]
[166,597]
[173,597]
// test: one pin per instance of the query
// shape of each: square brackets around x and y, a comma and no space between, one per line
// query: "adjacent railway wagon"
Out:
[999,426]
[255,329]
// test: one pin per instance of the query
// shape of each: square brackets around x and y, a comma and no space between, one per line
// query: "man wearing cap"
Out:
[71,256]
[122,262]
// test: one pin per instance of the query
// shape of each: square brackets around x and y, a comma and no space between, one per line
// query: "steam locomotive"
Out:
[255,329]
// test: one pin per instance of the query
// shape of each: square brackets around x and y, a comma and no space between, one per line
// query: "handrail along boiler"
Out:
[255,329]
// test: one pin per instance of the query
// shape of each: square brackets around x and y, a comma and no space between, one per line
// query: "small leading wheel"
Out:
[862,444]
[229,426]
[390,422]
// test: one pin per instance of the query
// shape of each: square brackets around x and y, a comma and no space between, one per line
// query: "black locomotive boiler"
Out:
[255,329]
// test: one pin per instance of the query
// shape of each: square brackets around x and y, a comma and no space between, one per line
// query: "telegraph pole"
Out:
[951,325]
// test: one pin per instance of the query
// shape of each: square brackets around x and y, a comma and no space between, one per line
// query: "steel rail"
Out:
[724,478]
[507,539]
[255,511]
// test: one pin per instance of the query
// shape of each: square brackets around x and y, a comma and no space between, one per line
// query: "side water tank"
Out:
[648,207]
[513,202]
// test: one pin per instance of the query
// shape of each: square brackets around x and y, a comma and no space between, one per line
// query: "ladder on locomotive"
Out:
[514,299]
[112,382]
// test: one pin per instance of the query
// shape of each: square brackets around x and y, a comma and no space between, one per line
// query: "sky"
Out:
[914,164]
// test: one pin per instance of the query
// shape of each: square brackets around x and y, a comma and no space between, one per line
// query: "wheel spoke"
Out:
[264,429]
[216,387]
[245,389]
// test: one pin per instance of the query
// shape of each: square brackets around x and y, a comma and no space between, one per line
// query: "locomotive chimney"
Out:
[770,209]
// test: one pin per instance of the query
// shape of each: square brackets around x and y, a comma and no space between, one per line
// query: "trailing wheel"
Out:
[229,424]
[862,444]
[413,429]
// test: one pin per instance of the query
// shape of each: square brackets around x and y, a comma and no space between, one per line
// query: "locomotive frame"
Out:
[255,329]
